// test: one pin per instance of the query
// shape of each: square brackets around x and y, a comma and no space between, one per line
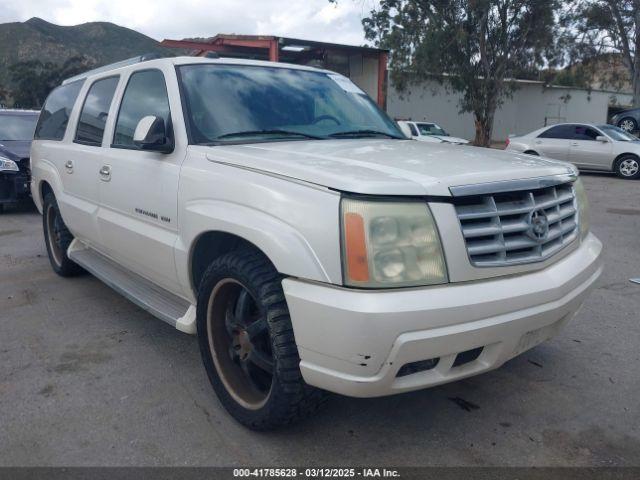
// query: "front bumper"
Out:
[354,342]
[14,187]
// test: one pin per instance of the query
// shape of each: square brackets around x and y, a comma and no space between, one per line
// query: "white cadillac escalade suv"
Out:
[275,212]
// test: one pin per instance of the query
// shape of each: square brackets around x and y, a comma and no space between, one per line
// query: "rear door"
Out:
[587,152]
[83,164]
[554,142]
[77,170]
[138,217]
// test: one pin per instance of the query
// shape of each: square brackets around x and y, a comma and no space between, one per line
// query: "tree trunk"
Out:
[484,122]
[483,132]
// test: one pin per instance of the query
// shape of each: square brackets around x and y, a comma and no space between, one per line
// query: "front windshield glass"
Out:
[242,103]
[17,127]
[430,129]
[617,133]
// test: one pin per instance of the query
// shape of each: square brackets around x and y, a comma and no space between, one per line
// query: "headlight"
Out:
[7,165]
[583,207]
[390,244]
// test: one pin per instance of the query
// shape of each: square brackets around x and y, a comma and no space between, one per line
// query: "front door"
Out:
[587,152]
[138,218]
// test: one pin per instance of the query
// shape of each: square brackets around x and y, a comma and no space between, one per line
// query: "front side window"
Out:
[145,95]
[95,111]
[242,103]
[54,116]
[430,129]
[414,130]
[585,133]
[16,126]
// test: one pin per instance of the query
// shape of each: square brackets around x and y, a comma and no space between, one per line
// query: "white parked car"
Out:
[590,147]
[428,132]
[276,212]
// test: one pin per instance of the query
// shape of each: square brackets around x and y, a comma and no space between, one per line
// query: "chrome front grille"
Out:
[517,227]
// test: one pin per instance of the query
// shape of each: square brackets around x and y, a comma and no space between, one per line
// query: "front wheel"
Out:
[247,343]
[628,167]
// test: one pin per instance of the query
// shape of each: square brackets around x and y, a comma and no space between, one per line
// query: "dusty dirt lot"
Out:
[87,378]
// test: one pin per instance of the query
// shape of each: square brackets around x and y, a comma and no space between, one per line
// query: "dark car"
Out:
[16,133]
[627,120]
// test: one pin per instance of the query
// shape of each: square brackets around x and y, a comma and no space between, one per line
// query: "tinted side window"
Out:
[146,94]
[56,110]
[414,130]
[560,131]
[585,133]
[95,110]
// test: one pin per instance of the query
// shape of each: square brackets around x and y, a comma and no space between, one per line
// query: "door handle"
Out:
[538,142]
[575,144]
[105,173]
[69,166]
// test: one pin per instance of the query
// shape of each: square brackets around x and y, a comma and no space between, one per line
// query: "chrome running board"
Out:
[154,299]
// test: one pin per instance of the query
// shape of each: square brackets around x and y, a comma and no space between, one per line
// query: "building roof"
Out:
[234,41]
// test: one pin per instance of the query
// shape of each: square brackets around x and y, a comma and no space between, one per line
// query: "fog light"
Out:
[420,366]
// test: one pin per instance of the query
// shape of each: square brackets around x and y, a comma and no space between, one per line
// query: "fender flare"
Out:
[284,245]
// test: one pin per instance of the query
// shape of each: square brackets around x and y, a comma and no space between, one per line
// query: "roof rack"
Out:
[111,66]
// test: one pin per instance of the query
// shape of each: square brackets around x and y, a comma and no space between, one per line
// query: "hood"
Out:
[450,139]
[18,148]
[384,167]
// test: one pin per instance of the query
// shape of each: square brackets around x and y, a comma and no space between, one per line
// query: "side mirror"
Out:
[602,138]
[151,134]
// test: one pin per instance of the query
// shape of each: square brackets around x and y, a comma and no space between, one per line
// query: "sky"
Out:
[159,19]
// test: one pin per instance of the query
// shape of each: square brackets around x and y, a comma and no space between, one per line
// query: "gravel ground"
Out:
[87,378]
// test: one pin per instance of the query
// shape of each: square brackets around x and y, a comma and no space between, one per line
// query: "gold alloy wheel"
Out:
[240,344]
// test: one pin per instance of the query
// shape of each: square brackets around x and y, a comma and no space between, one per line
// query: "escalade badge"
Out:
[538,225]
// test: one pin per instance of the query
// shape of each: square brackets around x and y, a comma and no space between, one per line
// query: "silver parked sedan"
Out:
[589,147]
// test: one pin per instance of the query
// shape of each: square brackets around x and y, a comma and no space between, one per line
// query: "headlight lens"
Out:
[390,244]
[583,207]
[7,165]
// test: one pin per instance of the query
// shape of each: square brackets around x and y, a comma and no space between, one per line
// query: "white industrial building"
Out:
[532,105]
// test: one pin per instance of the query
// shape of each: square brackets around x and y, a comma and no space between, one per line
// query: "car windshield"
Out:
[243,103]
[17,127]
[430,129]
[617,133]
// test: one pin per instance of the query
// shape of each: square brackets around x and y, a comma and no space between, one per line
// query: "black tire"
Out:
[532,152]
[627,167]
[628,124]
[57,238]
[240,384]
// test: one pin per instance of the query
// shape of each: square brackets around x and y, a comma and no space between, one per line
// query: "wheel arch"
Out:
[215,228]
[620,157]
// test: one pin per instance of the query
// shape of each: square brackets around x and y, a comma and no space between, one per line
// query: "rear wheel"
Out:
[627,167]
[57,238]
[532,152]
[628,124]
[247,343]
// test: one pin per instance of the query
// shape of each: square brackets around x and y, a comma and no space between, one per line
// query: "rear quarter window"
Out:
[54,117]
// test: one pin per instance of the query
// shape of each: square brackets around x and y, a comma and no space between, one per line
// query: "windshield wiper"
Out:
[250,133]
[363,132]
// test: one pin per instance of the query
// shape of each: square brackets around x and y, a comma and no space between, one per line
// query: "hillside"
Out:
[99,42]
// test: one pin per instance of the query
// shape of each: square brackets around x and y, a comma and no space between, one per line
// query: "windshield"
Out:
[430,129]
[617,133]
[241,104]
[17,127]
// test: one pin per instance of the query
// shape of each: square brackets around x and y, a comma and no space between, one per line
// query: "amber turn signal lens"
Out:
[356,248]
